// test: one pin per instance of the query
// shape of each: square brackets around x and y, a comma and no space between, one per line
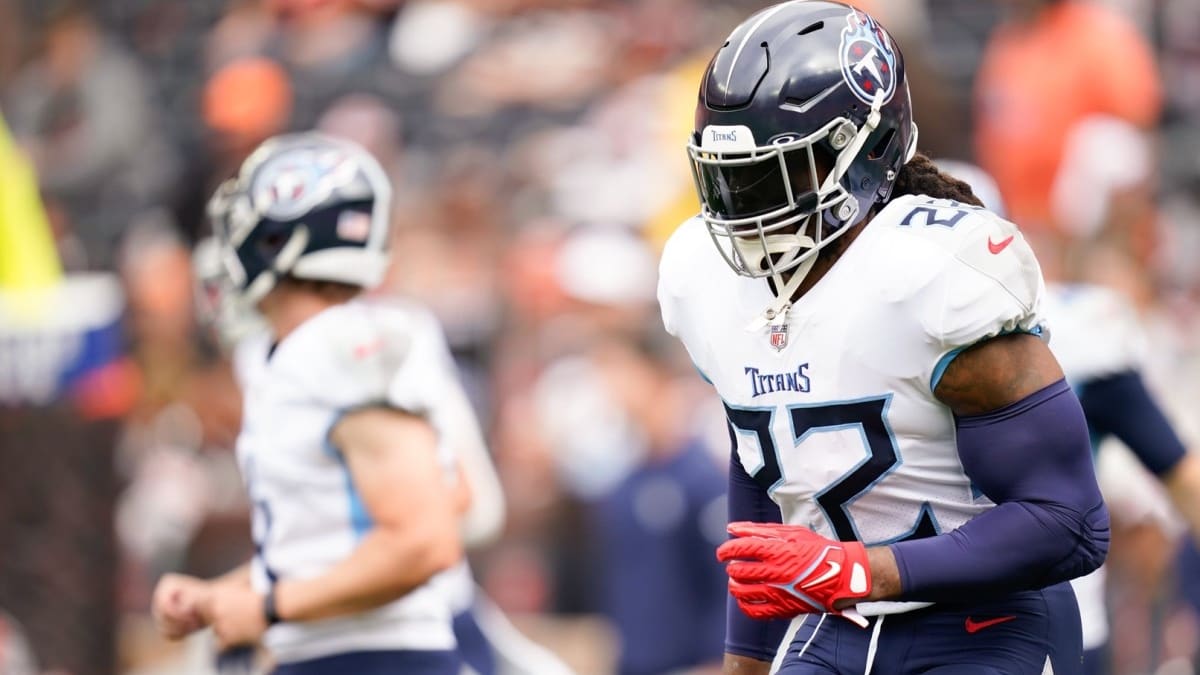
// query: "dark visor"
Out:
[745,190]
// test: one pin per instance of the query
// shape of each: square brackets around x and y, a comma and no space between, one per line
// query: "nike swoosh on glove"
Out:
[780,571]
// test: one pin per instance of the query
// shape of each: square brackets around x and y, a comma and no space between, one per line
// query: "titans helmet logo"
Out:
[289,186]
[868,58]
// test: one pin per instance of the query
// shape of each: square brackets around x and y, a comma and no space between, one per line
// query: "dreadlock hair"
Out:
[920,176]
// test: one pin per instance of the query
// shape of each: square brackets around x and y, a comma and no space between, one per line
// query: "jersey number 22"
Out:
[869,415]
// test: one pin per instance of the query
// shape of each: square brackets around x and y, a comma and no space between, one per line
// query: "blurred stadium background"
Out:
[537,152]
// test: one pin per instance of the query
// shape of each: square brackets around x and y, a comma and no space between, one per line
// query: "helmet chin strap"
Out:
[791,246]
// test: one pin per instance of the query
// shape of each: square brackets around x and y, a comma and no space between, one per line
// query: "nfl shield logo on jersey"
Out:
[779,336]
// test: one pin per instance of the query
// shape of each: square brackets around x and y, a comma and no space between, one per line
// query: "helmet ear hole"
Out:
[880,149]
[272,242]
[825,158]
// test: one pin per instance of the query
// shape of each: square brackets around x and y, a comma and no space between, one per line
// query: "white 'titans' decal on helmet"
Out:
[733,138]
[868,58]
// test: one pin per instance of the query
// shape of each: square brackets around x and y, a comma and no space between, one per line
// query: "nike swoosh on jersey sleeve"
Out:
[966,292]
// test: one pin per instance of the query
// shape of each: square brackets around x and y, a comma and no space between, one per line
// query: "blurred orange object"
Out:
[293,8]
[1039,78]
[249,98]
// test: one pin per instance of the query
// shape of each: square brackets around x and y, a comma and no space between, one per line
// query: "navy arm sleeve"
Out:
[1121,405]
[1033,459]
[744,636]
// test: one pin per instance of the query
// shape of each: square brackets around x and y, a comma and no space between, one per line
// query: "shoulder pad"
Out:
[677,270]
[353,354]
[411,354]
[979,279]
[355,351]
[690,272]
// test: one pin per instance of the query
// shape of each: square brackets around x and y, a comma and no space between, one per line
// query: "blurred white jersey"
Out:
[307,514]
[833,410]
[1093,334]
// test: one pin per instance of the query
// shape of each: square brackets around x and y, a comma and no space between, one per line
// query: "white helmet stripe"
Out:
[746,38]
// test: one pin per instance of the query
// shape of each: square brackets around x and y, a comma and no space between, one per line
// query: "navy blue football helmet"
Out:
[304,205]
[804,120]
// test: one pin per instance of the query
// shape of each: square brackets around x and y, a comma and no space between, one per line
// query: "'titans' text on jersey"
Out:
[833,410]
[307,515]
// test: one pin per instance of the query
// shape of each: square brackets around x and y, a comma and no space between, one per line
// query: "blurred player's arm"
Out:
[1121,405]
[750,644]
[238,576]
[428,382]
[1183,486]
[482,515]
[462,492]
[177,605]
[392,457]
[180,601]
[1023,441]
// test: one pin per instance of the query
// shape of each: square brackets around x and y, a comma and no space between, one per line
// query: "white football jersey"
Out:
[833,411]
[1093,334]
[307,514]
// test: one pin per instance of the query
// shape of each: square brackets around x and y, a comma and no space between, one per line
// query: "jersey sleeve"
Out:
[679,284]
[397,356]
[385,355]
[990,284]
[425,372]
[672,284]
[426,382]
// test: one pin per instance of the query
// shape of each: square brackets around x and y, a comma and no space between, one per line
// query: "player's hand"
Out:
[177,605]
[781,571]
[236,614]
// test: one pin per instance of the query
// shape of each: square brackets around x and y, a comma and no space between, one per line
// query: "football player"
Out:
[1095,336]
[486,640]
[350,413]
[911,482]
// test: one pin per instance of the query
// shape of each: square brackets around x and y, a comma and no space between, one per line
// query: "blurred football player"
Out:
[911,480]
[486,640]
[349,419]
[1095,336]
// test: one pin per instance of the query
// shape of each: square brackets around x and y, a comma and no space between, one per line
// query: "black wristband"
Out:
[270,612]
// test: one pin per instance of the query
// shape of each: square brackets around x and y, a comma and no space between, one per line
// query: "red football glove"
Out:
[780,571]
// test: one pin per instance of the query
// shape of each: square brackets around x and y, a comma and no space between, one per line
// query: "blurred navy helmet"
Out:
[804,120]
[303,205]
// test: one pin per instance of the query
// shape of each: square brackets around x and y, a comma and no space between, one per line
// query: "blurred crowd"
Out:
[537,152]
